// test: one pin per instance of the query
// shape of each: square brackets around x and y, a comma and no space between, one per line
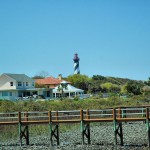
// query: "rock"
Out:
[102,138]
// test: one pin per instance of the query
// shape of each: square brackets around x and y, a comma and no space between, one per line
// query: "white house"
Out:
[70,91]
[14,86]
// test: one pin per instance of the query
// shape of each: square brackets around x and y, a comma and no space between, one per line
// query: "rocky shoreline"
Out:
[102,138]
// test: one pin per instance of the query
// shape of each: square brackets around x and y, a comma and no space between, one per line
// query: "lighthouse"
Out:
[76,64]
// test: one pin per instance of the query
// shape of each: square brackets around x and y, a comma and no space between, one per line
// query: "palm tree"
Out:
[61,87]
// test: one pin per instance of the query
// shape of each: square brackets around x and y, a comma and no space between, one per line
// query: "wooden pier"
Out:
[83,117]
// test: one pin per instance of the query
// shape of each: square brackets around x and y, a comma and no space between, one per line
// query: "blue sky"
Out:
[111,37]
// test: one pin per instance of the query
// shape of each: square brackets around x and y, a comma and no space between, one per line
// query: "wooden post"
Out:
[115,131]
[56,115]
[120,133]
[87,114]
[88,127]
[54,132]
[119,112]
[147,123]
[50,127]
[19,124]
[81,115]
[49,116]
[27,129]
[82,125]
[57,128]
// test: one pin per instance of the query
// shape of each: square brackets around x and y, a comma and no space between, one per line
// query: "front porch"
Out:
[35,93]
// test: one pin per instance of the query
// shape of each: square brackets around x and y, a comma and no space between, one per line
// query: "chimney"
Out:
[60,77]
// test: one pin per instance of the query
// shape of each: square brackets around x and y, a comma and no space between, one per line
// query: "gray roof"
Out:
[20,77]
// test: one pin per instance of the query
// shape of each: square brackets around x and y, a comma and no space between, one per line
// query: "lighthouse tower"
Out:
[76,64]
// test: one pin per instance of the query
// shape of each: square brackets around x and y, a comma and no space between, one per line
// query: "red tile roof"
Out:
[48,81]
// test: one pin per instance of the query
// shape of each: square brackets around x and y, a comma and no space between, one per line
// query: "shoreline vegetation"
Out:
[94,102]
[100,139]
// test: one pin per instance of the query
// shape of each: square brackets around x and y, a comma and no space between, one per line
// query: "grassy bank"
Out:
[91,103]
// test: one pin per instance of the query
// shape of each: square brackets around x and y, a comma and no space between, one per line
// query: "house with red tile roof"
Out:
[50,82]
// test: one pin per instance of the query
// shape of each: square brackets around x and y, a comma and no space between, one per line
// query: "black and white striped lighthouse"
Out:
[76,64]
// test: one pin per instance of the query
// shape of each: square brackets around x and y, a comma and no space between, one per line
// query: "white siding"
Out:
[12,92]
[5,82]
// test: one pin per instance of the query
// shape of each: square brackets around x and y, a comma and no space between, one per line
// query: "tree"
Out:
[132,87]
[61,87]
[94,83]
[94,86]
[98,77]
[79,80]
[110,87]
[145,90]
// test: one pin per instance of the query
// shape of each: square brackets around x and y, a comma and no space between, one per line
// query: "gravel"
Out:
[102,138]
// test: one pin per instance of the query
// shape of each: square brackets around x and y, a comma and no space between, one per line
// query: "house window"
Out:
[26,83]
[11,83]
[19,84]
[10,93]
[4,93]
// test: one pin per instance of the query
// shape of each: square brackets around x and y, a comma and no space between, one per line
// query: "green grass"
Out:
[91,103]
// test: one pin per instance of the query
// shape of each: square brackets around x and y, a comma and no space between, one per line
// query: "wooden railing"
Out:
[84,117]
[75,116]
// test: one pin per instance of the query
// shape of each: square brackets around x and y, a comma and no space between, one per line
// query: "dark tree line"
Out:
[102,84]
